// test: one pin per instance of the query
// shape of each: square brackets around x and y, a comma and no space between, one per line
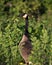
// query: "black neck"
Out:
[26,26]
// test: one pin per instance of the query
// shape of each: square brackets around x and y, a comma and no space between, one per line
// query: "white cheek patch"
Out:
[25,16]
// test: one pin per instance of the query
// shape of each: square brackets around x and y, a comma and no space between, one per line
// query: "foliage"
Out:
[12,29]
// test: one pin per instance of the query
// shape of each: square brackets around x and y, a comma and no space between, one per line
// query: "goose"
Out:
[25,45]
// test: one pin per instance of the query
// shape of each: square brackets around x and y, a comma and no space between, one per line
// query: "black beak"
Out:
[21,15]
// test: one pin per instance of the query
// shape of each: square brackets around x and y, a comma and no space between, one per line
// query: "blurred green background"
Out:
[12,30]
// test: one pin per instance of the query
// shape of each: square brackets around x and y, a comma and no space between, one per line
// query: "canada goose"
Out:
[25,45]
